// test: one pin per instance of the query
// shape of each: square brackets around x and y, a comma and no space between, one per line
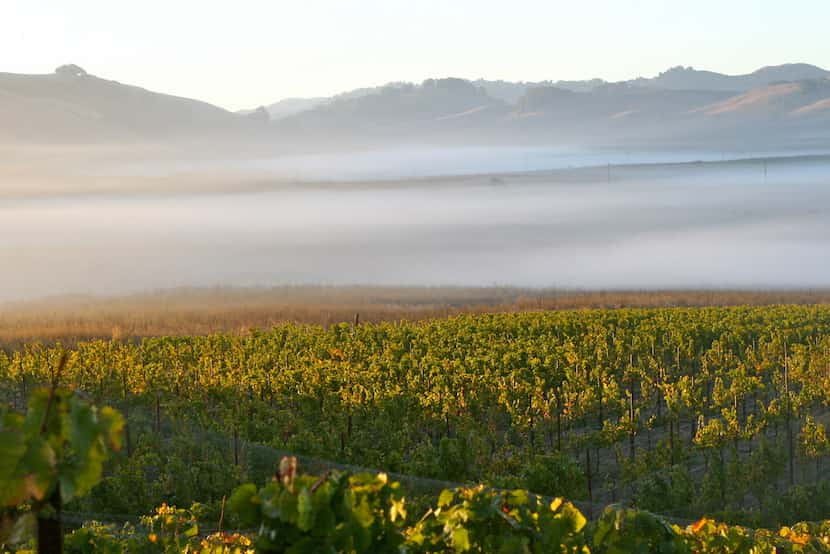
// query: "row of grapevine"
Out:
[680,411]
[364,513]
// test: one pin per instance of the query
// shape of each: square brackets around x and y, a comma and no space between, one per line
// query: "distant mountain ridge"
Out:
[776,103]
[786,102]
[675,78]
[688,78]
[292,106]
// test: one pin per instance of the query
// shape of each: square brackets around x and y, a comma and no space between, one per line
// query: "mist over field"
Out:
[748,223]
[689,179]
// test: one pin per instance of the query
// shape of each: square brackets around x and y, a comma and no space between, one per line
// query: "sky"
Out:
[248,52]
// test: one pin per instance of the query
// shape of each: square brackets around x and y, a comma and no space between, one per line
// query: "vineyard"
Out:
[682,412]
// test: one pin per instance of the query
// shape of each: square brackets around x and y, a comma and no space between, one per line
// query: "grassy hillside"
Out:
[81,107]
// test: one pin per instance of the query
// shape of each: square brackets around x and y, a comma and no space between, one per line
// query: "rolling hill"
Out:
[675,78]
[777,104]
[680,78]
[72,105]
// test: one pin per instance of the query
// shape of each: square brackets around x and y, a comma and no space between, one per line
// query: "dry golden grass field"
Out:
[204,311]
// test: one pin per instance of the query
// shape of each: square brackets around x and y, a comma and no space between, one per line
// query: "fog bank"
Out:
[738,224]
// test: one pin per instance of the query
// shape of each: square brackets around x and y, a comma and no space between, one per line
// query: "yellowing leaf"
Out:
[460,540]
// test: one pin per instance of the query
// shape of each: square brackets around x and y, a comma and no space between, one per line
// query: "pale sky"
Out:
[247,52]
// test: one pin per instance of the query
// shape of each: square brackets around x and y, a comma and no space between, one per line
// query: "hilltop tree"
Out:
[70,70]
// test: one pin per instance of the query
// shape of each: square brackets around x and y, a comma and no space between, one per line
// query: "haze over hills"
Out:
[292,106]
[680,78]
[72,105]
[777,104]
[675,78]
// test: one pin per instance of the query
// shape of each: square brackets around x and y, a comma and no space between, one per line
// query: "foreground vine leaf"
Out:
[53,454]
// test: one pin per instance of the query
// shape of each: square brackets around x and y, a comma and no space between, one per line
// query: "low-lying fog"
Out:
[730,224]
[407,162]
